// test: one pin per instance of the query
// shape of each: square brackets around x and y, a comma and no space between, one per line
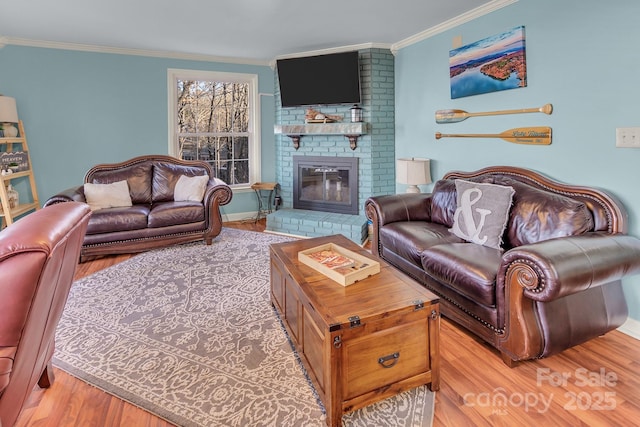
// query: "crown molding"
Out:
[126,51]
[452,23]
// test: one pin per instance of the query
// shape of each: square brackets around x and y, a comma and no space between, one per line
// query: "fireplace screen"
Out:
[328,184]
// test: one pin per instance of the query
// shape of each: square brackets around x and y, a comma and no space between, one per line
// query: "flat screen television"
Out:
[319,80]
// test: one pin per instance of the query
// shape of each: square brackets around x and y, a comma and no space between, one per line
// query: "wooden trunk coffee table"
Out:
[359,343]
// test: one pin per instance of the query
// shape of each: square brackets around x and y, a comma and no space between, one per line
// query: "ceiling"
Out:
[246,30]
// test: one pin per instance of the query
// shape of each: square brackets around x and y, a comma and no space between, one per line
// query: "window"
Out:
[213,118]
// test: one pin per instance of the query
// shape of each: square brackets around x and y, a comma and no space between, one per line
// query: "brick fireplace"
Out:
[375,153]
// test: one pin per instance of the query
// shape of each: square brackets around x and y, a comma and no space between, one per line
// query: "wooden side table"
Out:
[264,192]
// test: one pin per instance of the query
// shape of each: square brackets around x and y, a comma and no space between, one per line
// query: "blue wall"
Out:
[83,108]
[582,56]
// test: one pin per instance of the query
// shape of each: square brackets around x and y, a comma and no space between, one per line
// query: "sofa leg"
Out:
[47,377]
[508,360]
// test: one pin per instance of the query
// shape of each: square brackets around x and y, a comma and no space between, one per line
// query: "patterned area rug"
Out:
[189,334]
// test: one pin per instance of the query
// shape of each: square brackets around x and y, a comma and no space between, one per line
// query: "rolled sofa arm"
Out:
[217,191]
[217,194]
[399,207]
[73,194]
[563,266]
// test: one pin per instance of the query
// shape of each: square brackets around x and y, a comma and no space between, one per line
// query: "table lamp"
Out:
[413,172]
[8,116]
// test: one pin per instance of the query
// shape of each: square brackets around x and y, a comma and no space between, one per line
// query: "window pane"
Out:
[205,148]
[222,170]
[241,172]
[188,148]
[241,147]
[186,110]
[223,147]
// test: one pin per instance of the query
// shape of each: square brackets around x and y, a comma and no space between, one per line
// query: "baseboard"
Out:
[242,216]
[631,327]
[279,233]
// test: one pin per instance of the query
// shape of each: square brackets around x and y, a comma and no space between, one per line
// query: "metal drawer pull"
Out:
[384,360]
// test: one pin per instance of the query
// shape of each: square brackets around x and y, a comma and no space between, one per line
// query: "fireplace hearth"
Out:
[327,184]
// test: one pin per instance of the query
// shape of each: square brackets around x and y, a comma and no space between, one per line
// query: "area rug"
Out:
[189,333]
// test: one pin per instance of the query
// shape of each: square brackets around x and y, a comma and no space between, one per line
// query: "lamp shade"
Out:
[413,172]
[8,110]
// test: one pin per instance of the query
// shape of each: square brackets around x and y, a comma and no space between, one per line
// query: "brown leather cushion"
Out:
[138,178]
[118,219]
[443,202]
[409,238]
[468,268]
[536,214]
[165,177]
[171,213]
[539,215]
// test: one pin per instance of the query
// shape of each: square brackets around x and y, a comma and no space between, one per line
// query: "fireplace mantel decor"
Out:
[350,130]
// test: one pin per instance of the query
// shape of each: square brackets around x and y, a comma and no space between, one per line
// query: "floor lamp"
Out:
[413,172]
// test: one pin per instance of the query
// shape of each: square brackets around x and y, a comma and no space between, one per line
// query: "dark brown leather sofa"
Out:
[154,219]
[556,281]
[38,259]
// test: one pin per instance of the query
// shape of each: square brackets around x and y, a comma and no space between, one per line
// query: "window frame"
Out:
[173,75]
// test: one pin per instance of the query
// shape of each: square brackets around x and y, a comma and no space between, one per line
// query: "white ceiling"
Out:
[247,30]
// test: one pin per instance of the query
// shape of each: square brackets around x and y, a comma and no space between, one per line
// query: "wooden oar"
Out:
[537,135]
[454,116]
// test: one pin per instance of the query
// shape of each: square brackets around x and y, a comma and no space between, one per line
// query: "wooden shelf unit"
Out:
[7,215]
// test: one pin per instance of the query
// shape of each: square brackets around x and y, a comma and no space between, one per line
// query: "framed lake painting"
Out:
[489,65]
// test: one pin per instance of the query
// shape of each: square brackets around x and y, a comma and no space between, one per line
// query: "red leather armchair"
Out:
[38,258]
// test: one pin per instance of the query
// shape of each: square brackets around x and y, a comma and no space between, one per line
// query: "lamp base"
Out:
[10,131]
[413,189]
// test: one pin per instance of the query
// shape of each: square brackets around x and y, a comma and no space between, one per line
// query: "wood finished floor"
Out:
[594,384]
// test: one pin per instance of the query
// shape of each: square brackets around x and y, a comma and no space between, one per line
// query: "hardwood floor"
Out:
[594,384]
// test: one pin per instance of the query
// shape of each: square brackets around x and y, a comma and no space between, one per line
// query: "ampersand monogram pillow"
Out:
[482,212]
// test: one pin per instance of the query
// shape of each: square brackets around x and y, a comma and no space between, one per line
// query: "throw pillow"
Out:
[101,196]
[190,188]
[482,212]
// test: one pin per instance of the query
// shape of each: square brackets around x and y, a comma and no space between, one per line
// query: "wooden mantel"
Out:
[350,130]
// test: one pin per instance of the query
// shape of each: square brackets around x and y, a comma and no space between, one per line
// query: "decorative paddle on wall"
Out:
[454,116]
[537,135]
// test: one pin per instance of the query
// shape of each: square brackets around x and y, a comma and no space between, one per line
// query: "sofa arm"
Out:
[217,191]
[399,207]
[559,267]
[216,194]
[73,194]
[383,210]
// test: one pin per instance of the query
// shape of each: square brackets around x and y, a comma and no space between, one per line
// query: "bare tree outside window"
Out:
[213,126]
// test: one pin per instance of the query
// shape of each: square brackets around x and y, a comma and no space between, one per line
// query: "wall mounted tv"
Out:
[318,80]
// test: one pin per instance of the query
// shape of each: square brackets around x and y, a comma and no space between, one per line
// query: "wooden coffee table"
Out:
[359,343]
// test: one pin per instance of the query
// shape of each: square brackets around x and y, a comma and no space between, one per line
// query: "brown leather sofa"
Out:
[154,219]
[38,258]
[554,283]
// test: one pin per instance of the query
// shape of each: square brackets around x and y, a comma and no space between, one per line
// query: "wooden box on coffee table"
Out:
[360,343]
